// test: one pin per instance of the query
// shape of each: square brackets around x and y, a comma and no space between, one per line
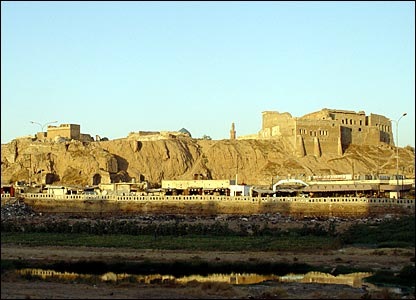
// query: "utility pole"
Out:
[236,173]
[397,154]
[43,133]
[30,169]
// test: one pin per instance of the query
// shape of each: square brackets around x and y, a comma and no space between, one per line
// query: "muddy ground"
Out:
[13,287]
[16,287]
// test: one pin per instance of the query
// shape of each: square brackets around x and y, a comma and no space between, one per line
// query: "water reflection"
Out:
[352,279]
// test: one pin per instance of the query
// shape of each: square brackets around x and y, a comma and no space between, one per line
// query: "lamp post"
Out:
[41,127]
[236,172]
[397,151]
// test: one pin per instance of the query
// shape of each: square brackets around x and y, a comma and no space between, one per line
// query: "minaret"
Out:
[232,132]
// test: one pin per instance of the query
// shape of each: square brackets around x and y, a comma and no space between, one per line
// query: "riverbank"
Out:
[14,287]
[131,241]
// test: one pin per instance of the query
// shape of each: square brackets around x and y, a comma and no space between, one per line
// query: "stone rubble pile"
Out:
[16,209]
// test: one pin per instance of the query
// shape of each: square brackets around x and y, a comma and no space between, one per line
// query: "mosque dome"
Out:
[184,131]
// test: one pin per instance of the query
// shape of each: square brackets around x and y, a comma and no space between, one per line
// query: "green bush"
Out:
[393,232]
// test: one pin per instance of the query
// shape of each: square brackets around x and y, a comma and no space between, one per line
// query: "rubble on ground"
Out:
[16,209]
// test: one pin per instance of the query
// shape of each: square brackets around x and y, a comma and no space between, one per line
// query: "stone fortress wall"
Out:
[326,131]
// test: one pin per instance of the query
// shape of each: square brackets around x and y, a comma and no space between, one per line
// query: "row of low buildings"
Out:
[386,187]
[336,186]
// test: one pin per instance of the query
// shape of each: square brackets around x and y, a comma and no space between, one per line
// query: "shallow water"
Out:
[352,279]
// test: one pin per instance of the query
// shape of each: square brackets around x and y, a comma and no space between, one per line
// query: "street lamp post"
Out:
[42,126]
[397,152]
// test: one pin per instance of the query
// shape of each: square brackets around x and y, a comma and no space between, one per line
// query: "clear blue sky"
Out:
[118,67]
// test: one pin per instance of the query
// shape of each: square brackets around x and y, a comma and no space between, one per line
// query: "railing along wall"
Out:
[208,198]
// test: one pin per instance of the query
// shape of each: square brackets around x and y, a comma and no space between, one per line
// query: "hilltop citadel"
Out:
[325,134]
[172,165]
[322,132]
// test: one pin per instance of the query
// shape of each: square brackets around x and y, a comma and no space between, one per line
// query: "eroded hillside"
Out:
[256,162]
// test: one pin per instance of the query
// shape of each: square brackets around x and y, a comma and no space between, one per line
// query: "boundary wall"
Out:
[210,198]
[297,207]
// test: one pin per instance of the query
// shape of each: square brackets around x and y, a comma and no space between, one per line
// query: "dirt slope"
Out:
[257,162]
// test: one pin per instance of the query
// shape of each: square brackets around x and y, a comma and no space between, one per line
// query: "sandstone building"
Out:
[65,131]
[326,131]
[69,131]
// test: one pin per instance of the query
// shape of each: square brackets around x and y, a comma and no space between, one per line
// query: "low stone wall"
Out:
[214,205]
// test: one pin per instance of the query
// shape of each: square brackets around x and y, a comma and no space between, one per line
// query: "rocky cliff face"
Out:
[256,162]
